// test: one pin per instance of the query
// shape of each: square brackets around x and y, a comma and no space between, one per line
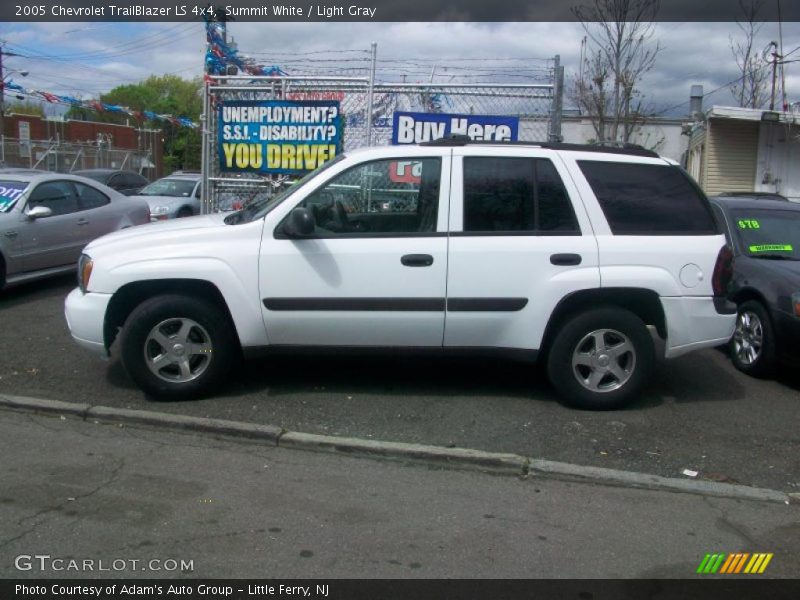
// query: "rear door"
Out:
[520,241]
[374,272]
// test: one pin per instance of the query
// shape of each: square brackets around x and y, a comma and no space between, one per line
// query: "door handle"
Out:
[417,260]
[11,234]
[565,260]
[83,221]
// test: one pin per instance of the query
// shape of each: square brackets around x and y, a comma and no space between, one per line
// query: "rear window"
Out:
[648,199]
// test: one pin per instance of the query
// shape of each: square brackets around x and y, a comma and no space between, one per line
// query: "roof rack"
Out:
[608,147]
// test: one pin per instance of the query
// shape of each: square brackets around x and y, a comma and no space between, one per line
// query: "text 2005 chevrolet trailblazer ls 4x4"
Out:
[558,251]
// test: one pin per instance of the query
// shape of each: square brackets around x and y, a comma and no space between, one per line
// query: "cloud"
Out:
[95,57]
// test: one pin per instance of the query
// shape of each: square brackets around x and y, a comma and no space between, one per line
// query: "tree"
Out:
[165,94]
[619,53]
[33,109]
[750,89]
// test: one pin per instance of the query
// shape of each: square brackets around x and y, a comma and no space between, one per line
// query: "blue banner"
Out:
[277,136]
[413,127]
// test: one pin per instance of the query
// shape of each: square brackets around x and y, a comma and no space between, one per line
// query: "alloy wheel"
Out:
[604,360]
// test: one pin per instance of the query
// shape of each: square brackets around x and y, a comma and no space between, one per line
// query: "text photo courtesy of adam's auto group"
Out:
[294,137]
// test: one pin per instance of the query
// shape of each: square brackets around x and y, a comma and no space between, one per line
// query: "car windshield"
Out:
[169,187]
[769,234]
[10,191]
[262,206]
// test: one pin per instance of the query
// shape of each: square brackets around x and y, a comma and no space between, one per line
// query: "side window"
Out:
[90,197]
[382,196]
[640,199]
[515,195]
[58,196]
[117,182]
[553,207]
[197,191]
[135,181]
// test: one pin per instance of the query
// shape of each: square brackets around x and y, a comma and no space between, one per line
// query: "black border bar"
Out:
[368,10]
[729,588]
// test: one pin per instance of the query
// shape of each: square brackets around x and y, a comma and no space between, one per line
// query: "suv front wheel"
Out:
[600,359]
[176,347]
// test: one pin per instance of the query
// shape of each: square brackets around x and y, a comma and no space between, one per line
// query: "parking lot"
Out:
[699,413]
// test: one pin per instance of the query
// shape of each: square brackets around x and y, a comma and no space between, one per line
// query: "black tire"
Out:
[752,347]
[578,338]
[185,211]
[208,347]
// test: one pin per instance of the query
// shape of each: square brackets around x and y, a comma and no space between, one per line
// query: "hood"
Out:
[159,233]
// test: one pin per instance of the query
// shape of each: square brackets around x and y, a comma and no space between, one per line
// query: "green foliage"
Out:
[165,94]
[33,109]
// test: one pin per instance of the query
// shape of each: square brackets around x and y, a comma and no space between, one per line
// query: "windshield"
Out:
[773,234]
[261,207]
[10,191]
[169,187]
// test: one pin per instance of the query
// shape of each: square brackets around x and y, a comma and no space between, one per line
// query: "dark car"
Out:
[765,236]
[127,183]
[753,196]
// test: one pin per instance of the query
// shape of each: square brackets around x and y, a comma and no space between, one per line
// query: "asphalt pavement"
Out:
[151,503]
[698,414]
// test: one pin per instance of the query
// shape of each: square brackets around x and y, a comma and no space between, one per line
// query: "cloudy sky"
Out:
[86,59]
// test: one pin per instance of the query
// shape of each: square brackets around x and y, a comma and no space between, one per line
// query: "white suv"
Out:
[562,251]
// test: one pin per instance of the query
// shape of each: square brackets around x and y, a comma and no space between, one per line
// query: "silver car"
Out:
[47,218]
[177,195]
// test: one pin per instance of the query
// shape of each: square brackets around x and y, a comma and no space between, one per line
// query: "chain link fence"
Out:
[65,157]
[367,109]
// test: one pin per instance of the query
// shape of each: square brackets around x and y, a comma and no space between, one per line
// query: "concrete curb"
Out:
[463,458]
[511,464]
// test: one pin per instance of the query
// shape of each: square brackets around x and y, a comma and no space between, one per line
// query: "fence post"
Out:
[371,92]
[558,100]
[204,152]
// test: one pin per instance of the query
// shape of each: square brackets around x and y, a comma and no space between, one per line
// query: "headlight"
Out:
[85,264]
[796,304]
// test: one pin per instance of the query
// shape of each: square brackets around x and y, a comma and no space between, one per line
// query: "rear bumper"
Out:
[694,323]
[85,314]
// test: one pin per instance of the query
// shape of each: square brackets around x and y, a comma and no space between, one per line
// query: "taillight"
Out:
[723,271]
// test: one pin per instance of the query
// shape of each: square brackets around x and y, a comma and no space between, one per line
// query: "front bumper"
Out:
[694,323]
[85,314]
[787,335]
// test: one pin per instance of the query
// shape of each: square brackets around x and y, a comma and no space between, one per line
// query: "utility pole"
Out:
[774,74]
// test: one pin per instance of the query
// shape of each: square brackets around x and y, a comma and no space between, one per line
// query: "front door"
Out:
[56,240]
[374,271]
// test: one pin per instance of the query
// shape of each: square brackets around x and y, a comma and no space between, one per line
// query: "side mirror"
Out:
[300,223]
[39,212]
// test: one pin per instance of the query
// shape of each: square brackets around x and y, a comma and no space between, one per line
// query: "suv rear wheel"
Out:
[176,347]
[600,359]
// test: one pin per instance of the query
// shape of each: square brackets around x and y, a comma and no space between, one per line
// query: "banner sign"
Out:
[413,127]
[277,136]
[10,191]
